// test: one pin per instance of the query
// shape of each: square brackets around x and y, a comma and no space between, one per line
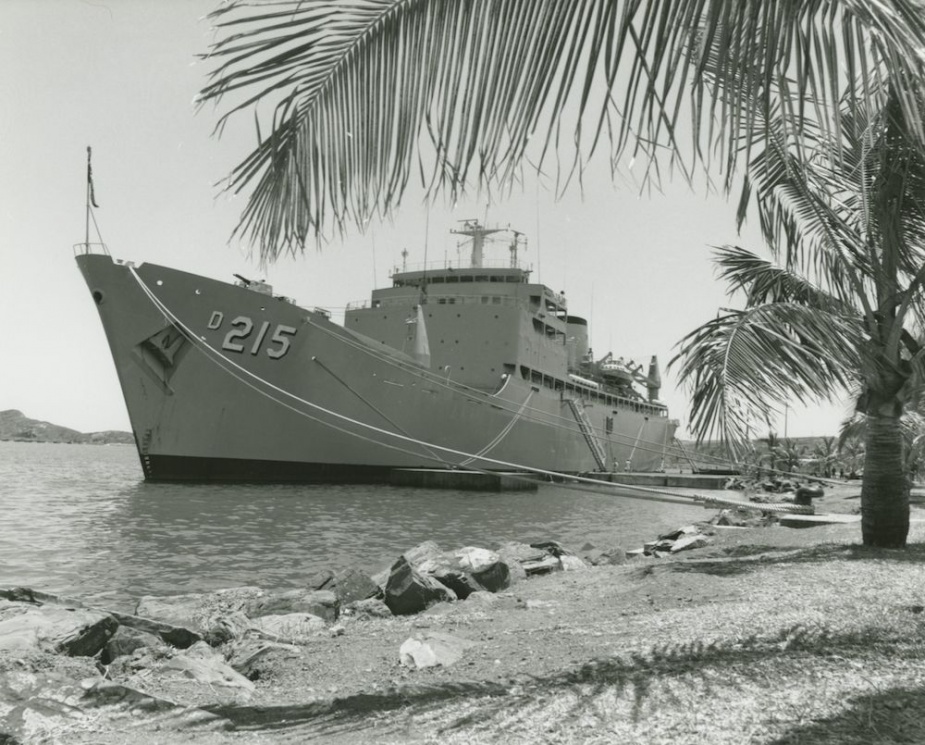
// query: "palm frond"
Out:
[897,187]
[852,430]
[764,282]
[364,92]
[746,364]
[801,190]
[849,213]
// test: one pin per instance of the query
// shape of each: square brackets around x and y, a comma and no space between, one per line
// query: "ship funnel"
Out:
[654,380]
[576,340]
[421,346]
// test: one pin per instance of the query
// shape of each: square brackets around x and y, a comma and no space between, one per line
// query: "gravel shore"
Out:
[767,635]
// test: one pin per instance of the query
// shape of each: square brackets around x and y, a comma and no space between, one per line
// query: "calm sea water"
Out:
[79,520]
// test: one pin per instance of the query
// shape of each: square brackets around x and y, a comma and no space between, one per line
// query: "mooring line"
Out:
[565,480]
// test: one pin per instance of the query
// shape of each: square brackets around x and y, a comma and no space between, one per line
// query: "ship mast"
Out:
[90,200]
[515,245]
[474,230]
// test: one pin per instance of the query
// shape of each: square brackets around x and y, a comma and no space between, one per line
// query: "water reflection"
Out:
[96,530]
[193,537]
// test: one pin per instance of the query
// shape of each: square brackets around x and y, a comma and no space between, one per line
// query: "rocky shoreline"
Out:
[399,657]
[226,642]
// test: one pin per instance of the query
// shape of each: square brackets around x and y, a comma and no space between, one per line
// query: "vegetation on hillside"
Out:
[16,426]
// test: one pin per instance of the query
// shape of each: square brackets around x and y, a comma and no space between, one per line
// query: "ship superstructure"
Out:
[452,366]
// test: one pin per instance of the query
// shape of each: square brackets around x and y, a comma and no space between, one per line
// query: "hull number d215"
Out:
[238,339]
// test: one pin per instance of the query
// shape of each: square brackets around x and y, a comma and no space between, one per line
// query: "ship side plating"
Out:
[471,367]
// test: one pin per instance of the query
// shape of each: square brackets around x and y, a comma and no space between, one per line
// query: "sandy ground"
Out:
[768,635]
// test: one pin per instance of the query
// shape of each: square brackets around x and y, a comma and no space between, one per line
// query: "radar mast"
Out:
[474,230]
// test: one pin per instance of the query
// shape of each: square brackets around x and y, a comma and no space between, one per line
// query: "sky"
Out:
[121,76]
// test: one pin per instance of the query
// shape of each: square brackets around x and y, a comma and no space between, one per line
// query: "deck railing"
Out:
[459,264]
[434,299]
[90,248]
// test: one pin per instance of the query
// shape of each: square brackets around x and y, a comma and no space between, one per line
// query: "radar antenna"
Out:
[519,238]
[474,230]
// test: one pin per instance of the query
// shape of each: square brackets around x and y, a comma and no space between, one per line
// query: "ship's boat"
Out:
[472,367]
[618,371]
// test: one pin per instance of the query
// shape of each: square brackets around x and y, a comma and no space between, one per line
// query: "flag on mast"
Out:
[90,180]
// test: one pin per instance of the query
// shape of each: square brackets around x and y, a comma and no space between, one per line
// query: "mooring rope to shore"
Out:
[563,422]
[639,443]
[564,480]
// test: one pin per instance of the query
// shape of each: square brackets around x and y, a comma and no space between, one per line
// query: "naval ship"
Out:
[455,367]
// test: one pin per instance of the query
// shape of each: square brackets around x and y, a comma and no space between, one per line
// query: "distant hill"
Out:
[14,425]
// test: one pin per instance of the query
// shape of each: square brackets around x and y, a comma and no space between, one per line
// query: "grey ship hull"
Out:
[223,383]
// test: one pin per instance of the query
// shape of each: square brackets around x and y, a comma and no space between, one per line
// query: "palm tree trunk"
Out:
[885,488]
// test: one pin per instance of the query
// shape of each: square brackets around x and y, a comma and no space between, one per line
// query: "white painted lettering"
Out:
[243,326]
[279,336]
[260,336]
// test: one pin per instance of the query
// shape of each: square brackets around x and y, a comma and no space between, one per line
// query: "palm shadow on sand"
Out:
[485,706]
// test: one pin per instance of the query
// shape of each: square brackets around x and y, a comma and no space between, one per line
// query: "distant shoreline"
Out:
[67,442]
[17,427]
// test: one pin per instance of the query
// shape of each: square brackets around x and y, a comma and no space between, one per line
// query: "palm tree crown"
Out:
[840,306]
[366,93]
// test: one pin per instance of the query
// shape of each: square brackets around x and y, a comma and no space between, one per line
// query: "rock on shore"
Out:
[63,665]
